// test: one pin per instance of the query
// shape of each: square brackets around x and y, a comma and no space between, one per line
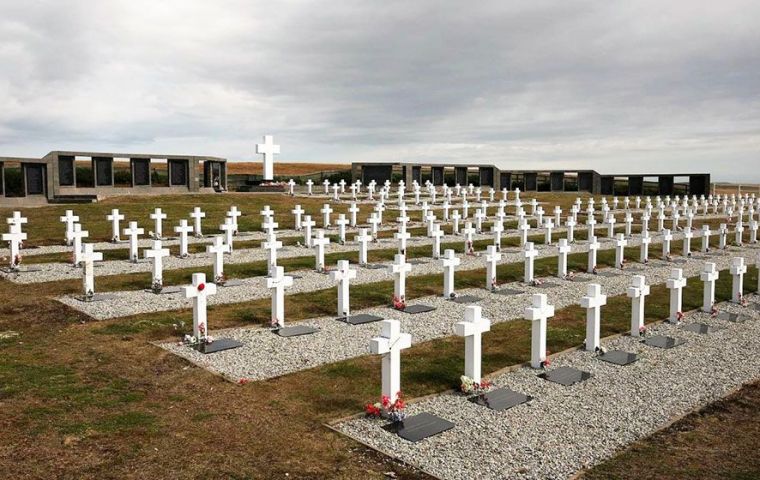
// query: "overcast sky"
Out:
[635,86]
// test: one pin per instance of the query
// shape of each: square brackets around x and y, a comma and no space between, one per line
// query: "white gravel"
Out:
[565,429]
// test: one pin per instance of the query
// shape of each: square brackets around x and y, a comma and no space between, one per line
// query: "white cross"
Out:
[342,222]
[298,211]
[319,245]
[88,258]
[472,328]
[399,268]
[449,263]
[437,235]
[363,239]
[374,221]
[14,239]
[342,276]
[133,232]
[590,222]
[611,226]
[229,230]
[353,210]
[157,254]
[183,229]
[430,219]
[389,344]
[753,226]
[497,228]
[336,192]
[687,236]
[738,269]
[667,237]
[159,217]
[708,276]
[628,224]
[277,283]
[593,302]
[218,249]
[523,226]
[620,244]
[326,183]
[675,284]
[637,292]
[492,258]
[78,234]
[199,291]
[326,211]
[379,209]
[17,219]
[593,248]
[268,149]
[722,232]
[563,248]
[644,251]
[549,225]
[402,236]
[197,215]
[538,313]
[114,217]
[455,217]
[479,217]
[69,219]
[570,225]
[272,245]
[308,223]
[291,186]
[706,238]
[739,230]
[233,215]
[530,255]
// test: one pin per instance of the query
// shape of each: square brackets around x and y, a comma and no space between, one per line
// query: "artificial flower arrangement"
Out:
[157,285]
[546,361]
[536,282]
[594,270]
[714,310]
[220,279]
[642,330]
[399,303]
[115,239]
[468,386]
[679,316]
[202,339]
[623,262]
[16,261]
[393,411]
[470,249]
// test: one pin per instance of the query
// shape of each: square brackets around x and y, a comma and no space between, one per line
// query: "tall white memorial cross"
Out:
[570,225]
[115,217]
[307,223]
[493,257]
[399,268]
[77,235]
[667,237]
[69,219]
[563,249]
[497,228]
[309,186]
[593,302]
[523,226]
[218,249]
[709,276]
[133,232]
[342,275]
[17,219]
[637,293]
[738,269]
[298,212]
[449,263]
[272,245]
[363,239]
[342,222]
[687,236]
[267,213]
[268,149]
[88,257]
[437,235]
[183,229]
[530,254]
[538,313]
[455,218]
[722,232]
[593,249]
[620,244]
[353,210]
[197,214]
[277,283]
[320,242]
[675,284]
[402,235]
[472,328]
[291,186]
[389,344]
[199,291]
[706,238]
[233,215]
[326,184]
[158,216]
[14,238]
[646,239]
[326,211]
[229,231]
[374,221]
[157,254]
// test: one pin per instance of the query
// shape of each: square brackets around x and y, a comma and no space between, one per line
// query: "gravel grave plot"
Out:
[566,429]
[266,355]
[126,303]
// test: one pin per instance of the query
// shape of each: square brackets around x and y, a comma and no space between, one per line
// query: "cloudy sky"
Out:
[636,86]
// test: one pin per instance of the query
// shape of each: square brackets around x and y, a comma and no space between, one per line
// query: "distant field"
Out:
[730,188]
[255,168]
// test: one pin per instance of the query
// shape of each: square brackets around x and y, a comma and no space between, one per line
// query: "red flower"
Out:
[243,381]
[201,287]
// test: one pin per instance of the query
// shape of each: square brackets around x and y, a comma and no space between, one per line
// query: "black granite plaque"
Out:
[296,331]
[546,285]
[35,179]
[702,328]
[418,262]
[680,260]
[103,170]
[633,269]
[465,299]
[507,291]
[580,278]
[566,376]
[218,345]
[619,357]
[166,290]
[360,319]
[419,308]
[500,399]
[661,341]
[732,317]
[178,172]
[420,427]
[374,266]
[98,297]
[231,283]
[608,273]
[141,171]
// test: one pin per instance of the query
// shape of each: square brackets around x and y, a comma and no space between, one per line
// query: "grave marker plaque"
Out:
[419,427]
[103,171]
[619,357]
[500,399]
[178,172]
[661,341]
[35,179]
[566,376]
[66,171]
[140,171]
